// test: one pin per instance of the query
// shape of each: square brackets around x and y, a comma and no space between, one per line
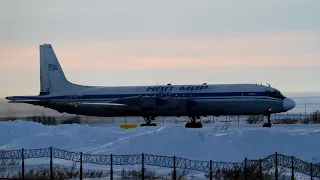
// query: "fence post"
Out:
[260,168]
[22,157]
[111,167]
[211,173]
[142,163]
[174,168]
[311,176]
[51,165]
[276,161]
[292,168]
[245,168]
[80,165]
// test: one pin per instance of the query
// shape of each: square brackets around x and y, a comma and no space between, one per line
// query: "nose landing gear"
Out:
[268,124]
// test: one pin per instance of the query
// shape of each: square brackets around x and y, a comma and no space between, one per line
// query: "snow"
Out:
[213,142]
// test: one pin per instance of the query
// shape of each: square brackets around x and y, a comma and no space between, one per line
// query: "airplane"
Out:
[194,101]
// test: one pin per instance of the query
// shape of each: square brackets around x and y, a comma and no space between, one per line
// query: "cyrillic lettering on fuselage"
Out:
[192,88]
[181,88]
[159,88]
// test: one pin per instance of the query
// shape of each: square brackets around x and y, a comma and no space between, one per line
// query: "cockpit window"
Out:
[275,93]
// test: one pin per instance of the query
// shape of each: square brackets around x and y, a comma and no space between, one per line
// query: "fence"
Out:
[245,170]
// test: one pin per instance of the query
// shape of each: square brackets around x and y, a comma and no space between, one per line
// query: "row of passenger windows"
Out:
[191,95]
[272,94]
[172,95]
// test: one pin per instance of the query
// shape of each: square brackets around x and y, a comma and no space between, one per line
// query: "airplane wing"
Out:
[23,101]
[106,105]
[141,101]
[134,102]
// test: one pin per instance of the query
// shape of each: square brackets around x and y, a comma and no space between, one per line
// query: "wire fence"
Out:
[266,168]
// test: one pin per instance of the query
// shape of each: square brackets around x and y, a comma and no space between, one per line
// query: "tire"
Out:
[187,125]
[194,125]
[267,125]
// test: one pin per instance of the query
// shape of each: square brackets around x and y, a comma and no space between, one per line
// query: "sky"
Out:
[142,42]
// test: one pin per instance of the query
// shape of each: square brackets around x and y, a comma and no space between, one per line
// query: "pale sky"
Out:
[145,42]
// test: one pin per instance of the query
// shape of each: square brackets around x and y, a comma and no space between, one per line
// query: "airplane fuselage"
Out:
[177,100]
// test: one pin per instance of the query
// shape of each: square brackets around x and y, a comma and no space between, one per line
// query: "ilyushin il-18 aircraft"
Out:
[193,101]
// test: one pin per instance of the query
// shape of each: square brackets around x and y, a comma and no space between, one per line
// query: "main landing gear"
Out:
[193,123]
[148,120]
[268,124]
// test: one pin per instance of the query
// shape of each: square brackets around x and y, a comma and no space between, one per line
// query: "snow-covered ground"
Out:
[217,142]
[213,142]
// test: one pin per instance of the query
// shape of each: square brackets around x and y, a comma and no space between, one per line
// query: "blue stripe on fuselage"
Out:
[118,96]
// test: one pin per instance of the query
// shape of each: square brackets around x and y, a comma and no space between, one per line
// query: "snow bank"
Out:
[211,142]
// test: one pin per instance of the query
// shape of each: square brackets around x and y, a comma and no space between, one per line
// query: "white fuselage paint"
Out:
[222,99]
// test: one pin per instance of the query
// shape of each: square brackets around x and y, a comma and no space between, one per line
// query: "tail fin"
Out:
[52,78]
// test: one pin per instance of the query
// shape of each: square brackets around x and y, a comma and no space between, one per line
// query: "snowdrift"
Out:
[217,142]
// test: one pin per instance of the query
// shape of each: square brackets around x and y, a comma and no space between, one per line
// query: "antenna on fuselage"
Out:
[268,84]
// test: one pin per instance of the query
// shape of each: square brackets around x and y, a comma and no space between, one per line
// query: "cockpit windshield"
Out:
[275,93]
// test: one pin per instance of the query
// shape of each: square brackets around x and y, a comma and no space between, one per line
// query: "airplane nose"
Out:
[288,104]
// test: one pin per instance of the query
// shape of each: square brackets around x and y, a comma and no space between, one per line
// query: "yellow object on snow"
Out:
[127,126]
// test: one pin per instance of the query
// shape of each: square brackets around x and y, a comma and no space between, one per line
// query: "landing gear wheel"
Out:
[193,123]
[268,124]
[148,120]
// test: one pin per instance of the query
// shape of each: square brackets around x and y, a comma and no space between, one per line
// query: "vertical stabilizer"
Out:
[52,78]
